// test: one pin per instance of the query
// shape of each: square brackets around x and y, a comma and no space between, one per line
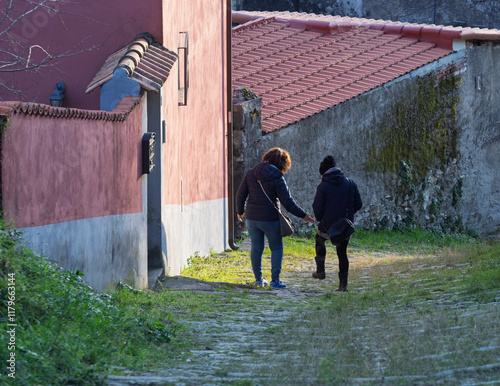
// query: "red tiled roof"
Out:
[440,35]
[145,60]
[121,112]
[302,64]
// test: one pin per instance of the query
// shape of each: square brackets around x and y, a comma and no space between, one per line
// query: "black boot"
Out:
[342,282]
[320,269]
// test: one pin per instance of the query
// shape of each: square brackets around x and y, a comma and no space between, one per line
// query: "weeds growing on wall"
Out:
[4,123]
[420,130]
[420,136]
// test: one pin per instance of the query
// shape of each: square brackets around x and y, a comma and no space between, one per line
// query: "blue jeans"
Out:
[271,229]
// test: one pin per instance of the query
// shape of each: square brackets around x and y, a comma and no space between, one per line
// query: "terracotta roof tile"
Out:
[119,114]
[318,105]
[305,110]
[271,124]
[301,64]
[145,61]
[331,99]
[369,83]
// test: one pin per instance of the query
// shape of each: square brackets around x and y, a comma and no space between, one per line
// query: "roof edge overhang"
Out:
[441,36]
[11,108]
[157,61]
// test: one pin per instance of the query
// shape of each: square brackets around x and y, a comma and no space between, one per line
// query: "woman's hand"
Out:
[241,217]
[308,218]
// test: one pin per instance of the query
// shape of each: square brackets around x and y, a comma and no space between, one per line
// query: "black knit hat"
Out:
[327,163]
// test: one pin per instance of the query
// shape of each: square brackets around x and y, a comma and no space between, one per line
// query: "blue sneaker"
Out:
[278,284]
[261,283]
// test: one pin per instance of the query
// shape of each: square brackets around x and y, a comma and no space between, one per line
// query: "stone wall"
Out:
[423,149]
[247,132]
[470,13]
[479,142]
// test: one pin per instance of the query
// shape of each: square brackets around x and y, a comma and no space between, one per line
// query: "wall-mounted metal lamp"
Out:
[183,67]
[57,97]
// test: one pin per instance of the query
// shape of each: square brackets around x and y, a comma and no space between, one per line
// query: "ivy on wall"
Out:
[420,129]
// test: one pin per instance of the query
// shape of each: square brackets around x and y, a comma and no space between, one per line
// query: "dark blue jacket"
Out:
[258,207]
[332,198]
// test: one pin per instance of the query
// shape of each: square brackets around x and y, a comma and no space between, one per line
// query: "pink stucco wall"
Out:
[195,148]
[59,169]
[56,170]
[86,32]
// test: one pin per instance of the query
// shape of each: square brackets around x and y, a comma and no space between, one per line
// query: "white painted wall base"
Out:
[106,249]
[190,229]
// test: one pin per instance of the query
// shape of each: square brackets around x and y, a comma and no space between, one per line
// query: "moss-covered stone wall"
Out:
[417,145]
[420,130]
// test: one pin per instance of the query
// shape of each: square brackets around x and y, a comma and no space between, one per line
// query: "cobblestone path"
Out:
[235,340]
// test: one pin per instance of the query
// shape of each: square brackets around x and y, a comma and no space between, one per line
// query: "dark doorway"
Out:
[155,254]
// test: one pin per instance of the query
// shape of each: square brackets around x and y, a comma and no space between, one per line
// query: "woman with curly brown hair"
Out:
[260,214]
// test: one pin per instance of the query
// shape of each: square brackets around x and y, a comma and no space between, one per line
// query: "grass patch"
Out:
[421,318]
[226,267]
[235,266]
[411,240]
[66,333]
[422,308]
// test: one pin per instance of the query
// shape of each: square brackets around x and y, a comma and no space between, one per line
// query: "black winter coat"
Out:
[332,199]
[258,207]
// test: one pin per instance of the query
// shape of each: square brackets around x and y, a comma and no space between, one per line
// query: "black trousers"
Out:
[341,252]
